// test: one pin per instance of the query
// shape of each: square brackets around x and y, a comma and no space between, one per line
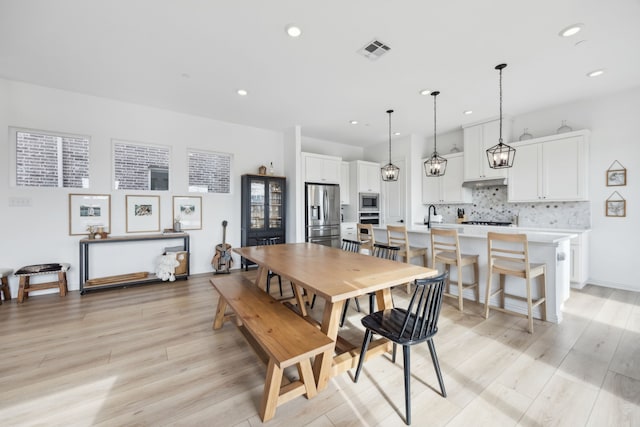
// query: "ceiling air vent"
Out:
[374,49]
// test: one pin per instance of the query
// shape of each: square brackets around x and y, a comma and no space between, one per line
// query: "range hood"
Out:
[485,182]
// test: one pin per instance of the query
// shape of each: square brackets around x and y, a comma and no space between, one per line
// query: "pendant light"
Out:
[435,166]
[501,155]
[390,172]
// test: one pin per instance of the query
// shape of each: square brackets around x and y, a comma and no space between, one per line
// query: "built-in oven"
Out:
[369,202]
[369,218]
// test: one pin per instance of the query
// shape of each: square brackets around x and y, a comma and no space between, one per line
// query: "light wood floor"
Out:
[148,356]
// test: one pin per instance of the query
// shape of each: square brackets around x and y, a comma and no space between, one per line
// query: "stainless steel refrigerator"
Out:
[322,214]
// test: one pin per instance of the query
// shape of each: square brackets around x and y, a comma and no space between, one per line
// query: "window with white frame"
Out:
[50,159]
[209,172]
[139,166]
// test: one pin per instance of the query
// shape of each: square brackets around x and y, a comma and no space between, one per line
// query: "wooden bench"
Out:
[277,334]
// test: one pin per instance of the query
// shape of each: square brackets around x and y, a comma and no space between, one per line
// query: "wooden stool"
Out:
[510,256]
[397,236]
[25,274]
[445,249]
[4,283]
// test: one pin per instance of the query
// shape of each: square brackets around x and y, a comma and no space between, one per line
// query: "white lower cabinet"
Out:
[348,230]
[552,168]
[447,188]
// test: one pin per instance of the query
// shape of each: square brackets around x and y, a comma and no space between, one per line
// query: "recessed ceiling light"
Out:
[293,30]
[571,30]
[467,112]
[397,133]
[242,92]
[425,92]
[354,122]
[595,73]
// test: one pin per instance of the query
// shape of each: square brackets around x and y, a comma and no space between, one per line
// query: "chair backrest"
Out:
[366,236]
[423,311]
[350,245]
[509,252]
[265,241]
[445,241]
[385,251]
[397,236]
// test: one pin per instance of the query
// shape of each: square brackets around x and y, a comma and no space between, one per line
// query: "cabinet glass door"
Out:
[258,191]
[275,204]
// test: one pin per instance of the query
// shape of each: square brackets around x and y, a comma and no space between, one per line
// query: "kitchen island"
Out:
[550,248]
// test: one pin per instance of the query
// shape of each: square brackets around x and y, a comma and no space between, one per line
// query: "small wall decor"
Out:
[89,211]
[616,205]
[618,176]
[143,214]
[188,211]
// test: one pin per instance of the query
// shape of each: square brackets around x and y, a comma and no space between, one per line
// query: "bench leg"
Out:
[5,289]
[24,283]
[271,392]
[219,319]
[306,375]
[62,283]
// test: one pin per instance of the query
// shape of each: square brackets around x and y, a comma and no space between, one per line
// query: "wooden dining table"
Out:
[333,275]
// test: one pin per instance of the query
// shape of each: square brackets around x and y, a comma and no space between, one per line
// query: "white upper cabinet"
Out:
[553,168]
[345,194]
[477,139]
[447,188]
[321,168]
[368,177]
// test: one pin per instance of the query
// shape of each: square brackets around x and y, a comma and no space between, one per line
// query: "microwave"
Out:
[369,202]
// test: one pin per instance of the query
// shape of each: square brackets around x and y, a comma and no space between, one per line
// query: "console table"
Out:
[85,244]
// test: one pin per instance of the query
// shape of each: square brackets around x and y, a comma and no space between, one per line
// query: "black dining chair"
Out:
[413,325]
[379,251]
[383,251]
[265,241]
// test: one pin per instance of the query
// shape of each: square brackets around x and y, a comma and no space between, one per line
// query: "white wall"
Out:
[613,122]
[39,233]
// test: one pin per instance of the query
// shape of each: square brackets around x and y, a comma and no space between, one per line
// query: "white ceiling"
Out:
[192,55]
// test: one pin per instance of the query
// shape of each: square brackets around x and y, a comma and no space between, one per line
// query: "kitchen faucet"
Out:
[429,215]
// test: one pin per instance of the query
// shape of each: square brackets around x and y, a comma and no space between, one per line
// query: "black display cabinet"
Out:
[263,210]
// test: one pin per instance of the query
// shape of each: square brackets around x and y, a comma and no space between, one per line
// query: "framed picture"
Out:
[89,210]
[143,214]
[616,177]
[616,208]
[188,210]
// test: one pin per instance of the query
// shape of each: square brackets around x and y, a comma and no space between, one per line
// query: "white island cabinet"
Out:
[553,168]
[553,249]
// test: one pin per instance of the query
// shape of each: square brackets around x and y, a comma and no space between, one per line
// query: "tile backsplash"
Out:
[490,204]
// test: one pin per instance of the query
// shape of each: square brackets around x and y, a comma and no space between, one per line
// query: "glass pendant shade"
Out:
[390,172]
[501,155]
[436,165]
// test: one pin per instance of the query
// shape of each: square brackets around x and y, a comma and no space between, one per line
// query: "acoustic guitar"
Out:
[222,260]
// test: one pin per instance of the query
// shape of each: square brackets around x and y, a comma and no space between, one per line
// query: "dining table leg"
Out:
[261,277]
[322,365]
